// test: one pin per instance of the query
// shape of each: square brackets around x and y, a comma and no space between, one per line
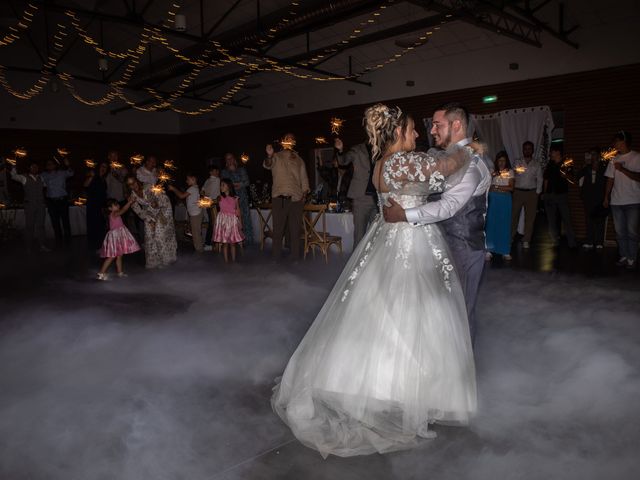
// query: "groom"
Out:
[461,209]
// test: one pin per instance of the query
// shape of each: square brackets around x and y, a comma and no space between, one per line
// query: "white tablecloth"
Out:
[77,219]
[340,224]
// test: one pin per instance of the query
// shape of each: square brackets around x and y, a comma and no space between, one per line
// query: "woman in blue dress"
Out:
[240,179]
[498,225]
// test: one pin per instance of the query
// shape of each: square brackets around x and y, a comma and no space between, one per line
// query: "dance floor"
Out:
[168,374]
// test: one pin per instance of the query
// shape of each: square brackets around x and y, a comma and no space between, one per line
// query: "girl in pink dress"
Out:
[118,241]
[228,229]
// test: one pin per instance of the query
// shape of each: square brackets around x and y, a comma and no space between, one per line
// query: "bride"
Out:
[389,353]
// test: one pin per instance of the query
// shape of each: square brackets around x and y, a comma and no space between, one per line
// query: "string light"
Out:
[24,23]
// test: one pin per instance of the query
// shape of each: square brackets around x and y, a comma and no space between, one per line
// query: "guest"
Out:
[228,229]
[498,224]
[556,198]
[195,212]
[34,206]
[55,181]
[361,190]
[148,173]
[592,184]
[4,183]
[289,190]
[96,188]
[623,194]
[240,179]
[115,178]
[211,189]
[118,241]
[528,186]
[154,208]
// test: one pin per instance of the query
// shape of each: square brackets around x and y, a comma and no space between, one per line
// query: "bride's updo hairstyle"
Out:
[380,123]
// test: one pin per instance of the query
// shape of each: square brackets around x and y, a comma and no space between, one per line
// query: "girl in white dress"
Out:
[390,352]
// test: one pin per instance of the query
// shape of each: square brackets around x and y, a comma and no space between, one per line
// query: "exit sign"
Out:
[490,99]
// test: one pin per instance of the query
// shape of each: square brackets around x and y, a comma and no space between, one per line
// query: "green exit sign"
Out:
[490,99]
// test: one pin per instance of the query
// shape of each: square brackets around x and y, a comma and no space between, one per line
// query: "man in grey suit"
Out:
[361,190]
[461,210]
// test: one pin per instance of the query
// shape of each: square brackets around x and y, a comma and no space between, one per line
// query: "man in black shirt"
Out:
[556,188]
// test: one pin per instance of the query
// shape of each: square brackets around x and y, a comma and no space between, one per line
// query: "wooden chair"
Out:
[318,238]
[266,231]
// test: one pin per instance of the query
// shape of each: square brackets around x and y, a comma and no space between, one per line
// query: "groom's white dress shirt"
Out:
[475,182]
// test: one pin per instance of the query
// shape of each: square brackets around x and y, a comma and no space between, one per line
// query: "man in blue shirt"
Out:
[55,180]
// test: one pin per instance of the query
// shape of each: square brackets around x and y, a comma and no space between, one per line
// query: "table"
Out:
[340,224]
[77,219]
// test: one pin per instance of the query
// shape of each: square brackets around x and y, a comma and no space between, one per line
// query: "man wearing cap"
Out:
[623,195]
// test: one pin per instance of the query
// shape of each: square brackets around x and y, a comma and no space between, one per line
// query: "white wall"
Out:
[601,45]
[60,111]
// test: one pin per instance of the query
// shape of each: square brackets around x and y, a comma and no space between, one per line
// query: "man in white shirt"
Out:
[148,173]
[528,186]
[461,210]
[623,195]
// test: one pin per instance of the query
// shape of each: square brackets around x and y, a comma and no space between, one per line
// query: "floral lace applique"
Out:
[445,266]
[403,167]
[360,265]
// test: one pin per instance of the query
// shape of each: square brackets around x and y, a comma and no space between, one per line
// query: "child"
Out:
[211,189]
[228,229]
[118,240]
[192,199]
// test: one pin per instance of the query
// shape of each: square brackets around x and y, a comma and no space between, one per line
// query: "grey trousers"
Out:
[364,211]
[286,213]
[469,266]
[196,231]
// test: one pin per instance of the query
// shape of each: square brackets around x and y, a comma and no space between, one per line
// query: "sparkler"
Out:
[157,189]
[205,202]
[63,152]
[520,169]
[20,152]
[136,159]
[90,163]
[288,143]
[80,201]
[567,163]
[321,141]
[163,177]
[336,124]
[11,161]
[609,154]
[244,158]
[2,205]
[115,165]
[169,165]
[504,174]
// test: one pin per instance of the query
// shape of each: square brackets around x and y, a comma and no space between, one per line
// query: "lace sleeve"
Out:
[440,168]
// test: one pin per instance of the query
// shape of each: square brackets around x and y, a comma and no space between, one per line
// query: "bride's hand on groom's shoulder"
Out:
[393,213]
[479,148]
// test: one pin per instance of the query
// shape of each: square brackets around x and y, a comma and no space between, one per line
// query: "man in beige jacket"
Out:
[289,191]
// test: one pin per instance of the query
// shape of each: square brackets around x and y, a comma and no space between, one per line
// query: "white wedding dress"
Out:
[390,351]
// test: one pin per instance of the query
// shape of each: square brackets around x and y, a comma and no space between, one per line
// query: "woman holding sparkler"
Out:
[390,351]
[498,226]
[152,205]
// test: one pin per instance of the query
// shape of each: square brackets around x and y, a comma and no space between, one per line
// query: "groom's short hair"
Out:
[455,111]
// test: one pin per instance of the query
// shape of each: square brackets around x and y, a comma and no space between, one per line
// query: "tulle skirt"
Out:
[389,352]
[118,241]
[227,229]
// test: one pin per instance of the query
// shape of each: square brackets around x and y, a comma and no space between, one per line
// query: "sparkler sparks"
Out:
[90,163]
[80,201]
[157,189]
[63,152]
[520,169]
[567,163]
[11,161]
[163,177]
[336,124]
[288,143]
[205,202]
[504,174]
[115,165]
[136,159]
[169,165]
[20,152]
[321,141]
[244,158]
[609,154]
